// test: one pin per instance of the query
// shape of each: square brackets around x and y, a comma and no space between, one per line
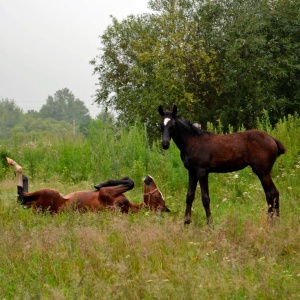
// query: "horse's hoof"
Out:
[187,221]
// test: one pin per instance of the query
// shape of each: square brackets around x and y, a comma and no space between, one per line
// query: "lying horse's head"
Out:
[153,198]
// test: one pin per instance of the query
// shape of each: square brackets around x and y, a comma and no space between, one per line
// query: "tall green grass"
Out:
[145,255]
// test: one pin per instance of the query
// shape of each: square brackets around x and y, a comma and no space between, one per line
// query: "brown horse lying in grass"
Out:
[107,195]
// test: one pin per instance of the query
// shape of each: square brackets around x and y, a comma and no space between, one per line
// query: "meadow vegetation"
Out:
[145,255]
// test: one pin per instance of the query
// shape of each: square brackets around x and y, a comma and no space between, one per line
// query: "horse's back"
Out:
[264,143]
[263,150]
[251,140]
[231,152]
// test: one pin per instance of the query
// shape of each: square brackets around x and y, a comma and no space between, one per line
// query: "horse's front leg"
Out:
[190,197]
[203,179]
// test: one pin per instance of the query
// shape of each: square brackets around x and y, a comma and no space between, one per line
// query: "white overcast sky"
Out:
[46,45]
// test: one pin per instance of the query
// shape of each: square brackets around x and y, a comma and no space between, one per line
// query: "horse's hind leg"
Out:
[25,184]
[126,181]
[117,187]
[22,180]
[22,189]
[272,195]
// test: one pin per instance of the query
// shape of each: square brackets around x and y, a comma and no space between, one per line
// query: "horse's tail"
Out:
[280,147]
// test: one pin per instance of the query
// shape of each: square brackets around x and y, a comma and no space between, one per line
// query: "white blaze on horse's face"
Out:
[162,197]
[166,121]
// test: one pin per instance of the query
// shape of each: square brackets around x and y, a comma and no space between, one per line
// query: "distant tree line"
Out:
[220,61]
[56,116]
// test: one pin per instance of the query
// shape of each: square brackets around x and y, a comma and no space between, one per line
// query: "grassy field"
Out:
[145,255]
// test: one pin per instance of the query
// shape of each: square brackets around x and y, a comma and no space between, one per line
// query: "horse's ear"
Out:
[174,112]
[160,110]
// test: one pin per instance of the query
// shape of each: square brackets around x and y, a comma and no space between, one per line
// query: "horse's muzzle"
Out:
[161,209]
[166,209]
[165,145]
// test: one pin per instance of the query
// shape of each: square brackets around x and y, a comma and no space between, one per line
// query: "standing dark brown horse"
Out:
[107,195]
[203,152]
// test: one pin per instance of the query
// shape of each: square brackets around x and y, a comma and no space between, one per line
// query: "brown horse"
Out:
[203,152]
[107,195]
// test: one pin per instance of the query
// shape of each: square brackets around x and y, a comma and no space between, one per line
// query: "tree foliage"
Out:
[217,60]
[55,117]
[10,115]
[64,106]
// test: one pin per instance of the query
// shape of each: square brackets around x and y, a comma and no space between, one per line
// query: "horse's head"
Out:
[153,198]
[167,125]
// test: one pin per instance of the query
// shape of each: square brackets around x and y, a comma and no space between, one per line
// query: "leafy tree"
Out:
[10,115]
[217,60]
[103,119]
[13,122]
[154,59]
[260,60]
[64,106]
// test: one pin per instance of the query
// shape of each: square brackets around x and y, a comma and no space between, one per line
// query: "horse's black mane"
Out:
[195,130]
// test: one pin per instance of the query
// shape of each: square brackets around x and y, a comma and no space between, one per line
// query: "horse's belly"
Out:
[227,166]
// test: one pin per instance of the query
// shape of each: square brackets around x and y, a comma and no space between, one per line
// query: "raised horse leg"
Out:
[112,192]
[22,180]
[119,186]
[190,196]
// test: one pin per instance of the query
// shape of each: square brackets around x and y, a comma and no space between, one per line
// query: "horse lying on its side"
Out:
[107,195]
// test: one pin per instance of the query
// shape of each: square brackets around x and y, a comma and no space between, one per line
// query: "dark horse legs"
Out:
[190,196]
[125,181]
[205,197]
[272,195]
[271,192]
[193,179]
[22,189]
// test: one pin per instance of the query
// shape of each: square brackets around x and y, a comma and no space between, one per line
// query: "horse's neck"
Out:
[179,142]
[181,135]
